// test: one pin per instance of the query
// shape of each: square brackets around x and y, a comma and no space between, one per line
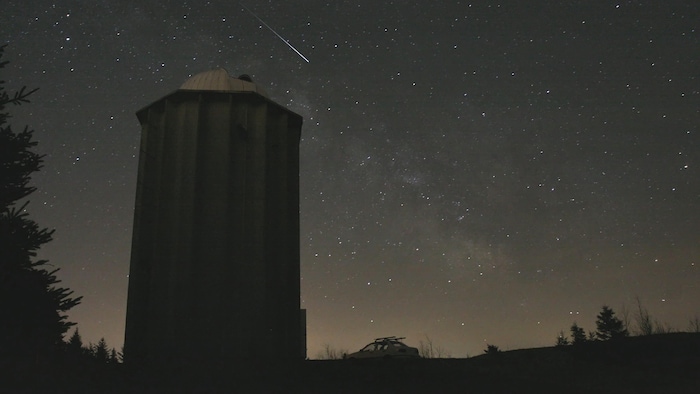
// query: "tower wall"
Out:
[214,274]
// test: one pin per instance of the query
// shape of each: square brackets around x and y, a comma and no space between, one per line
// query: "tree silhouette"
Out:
[562,340]
[578,334]
[609,326]
[75,343]
[33,308]
[492,349]
[645,325]
[114,356]
[101,351]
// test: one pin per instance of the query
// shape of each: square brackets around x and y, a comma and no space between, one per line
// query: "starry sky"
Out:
[471,172]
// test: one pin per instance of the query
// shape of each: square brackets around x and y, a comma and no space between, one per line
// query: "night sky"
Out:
[475,173]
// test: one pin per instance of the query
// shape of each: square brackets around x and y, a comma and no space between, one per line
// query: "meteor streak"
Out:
[277,34]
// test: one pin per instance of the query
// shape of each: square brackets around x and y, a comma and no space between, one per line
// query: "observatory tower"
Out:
[214,276]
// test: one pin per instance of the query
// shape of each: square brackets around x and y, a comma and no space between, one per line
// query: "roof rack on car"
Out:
[389,338]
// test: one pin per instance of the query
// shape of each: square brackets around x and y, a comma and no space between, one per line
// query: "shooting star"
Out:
[277,34]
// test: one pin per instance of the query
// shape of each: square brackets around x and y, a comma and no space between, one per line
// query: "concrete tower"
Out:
[214,277]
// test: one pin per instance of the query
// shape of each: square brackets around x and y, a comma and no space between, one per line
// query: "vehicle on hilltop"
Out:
[387,347]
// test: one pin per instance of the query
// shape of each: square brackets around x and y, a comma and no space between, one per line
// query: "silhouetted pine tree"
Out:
[578,334]
[75,343]
[113,356]
[33,308]
[101,351]
[609,326]
[562,340]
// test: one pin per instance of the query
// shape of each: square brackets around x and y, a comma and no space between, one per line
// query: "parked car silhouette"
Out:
[388,347]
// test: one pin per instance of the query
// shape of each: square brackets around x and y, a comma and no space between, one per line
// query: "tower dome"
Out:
[220,81]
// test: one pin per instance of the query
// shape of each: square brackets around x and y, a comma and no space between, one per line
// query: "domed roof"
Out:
[219,81]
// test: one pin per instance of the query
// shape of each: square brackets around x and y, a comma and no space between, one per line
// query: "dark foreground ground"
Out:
[668,363]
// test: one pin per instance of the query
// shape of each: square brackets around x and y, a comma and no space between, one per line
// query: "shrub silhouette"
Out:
[492,349]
